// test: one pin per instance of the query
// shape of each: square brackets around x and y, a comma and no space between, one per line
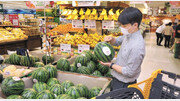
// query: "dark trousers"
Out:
[116,84]
[159,38]
[167,40]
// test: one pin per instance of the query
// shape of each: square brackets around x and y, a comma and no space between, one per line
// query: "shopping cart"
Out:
[154,88]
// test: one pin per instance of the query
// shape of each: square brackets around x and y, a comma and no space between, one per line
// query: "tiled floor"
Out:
[157,57]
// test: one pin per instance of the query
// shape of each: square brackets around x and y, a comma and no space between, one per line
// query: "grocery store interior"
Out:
[57,32]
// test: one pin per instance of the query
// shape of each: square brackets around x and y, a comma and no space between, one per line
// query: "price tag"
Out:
[15,22]
[107,24]
[81,48]
[77,24]
[65,47]
[90,24]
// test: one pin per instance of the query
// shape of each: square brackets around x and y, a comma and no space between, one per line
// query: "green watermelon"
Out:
[46,94]
[81,61]
[52,70]
[14,59]
[88,54]
[91,65]
[74,92]
[57,89]
[25,61]
[67,84]
[29,93]
[94,58]
[73,68]
[14,97]
[52,81]
[36,59]
[94,92]
[63,64]
[82,98]
[84,70]
[50,59]
[83,90]
[38,64]
[40,74]
[40,86]
[108,74]
[64,96]
[97,73]
[7,61]
[12,86]
[104,52]
[1,77]
[103,69]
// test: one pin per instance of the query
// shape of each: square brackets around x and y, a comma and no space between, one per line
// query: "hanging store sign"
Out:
[65,48]
[82,48]
[14,19]
[90,24]
[107,24]
[77,24]
[85,3]
[19,11]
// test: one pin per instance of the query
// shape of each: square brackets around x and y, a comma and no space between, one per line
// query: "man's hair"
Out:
[130,15]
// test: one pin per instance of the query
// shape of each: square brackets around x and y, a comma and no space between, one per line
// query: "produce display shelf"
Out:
[25,26]
[12,41]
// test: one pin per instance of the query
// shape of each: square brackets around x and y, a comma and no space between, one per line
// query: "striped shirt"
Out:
[130,56]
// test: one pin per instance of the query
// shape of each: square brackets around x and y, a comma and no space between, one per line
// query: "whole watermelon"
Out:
[12,86]
[25,61]
[40,74]
[88,54]
[94,92]
[36,59]
[74,92]
[14,97]
[50,59]
[38,64]
[40,86]
[67,84]
[64,96]
[73,68]
[83,89]
[29,93]
[92,66]
[81,61]
[52,70]
[46,94]
[104,52]
[7,61]
[57,89]
[52,81]
[94,58]
[14,59]
[63,64]
[97,73]
[84,70]
[108,74]
[103,69]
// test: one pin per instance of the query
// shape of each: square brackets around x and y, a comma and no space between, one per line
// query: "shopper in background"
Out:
[168,31]
[159,34]
[177,36]
[127,67]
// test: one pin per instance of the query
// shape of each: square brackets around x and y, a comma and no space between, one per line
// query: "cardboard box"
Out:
[89,81]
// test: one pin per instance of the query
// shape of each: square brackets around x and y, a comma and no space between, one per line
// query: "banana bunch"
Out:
[115,16]
[103,15]
[81,12]
[87,13]
[75,12]
[94,12]
[111,14]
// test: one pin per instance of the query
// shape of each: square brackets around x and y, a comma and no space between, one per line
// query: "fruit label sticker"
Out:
[16,78]
[78,64]
[77,24]
[35,80]
[65,48]
[90,24]
[82,48]
[106,51]
[107,24]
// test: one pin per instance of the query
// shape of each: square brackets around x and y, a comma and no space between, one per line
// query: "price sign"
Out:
[90,24]
[77,24]
[14,19]
[107,24]
[65,47]
[81,48]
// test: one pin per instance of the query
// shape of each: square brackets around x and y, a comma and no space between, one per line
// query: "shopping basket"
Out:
[154,88]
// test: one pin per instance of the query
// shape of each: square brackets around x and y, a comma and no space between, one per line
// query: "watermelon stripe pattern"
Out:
[88,54]
[84,70]
[94,92]
[51,70]
[63,64]
[40,74]
[67,84]
[83,89]
[25,61]
[29,93]
[40,86]
[11,86]
[74,92]
[38,64]
[104,52]
[97,73]
[46,94]
[50,59]
[57,89]
[14,59]
[81,61]
[91,65]
[52,81]
[64,96]
[103,69]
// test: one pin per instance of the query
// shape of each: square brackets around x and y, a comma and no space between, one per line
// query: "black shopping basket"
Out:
[154,88]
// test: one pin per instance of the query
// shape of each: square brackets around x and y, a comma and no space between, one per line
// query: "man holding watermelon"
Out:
[127,67]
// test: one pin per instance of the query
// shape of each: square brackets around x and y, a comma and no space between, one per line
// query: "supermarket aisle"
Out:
[157,57]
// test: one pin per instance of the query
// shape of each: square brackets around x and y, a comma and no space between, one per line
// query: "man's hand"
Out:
[105,64]
[110,39]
